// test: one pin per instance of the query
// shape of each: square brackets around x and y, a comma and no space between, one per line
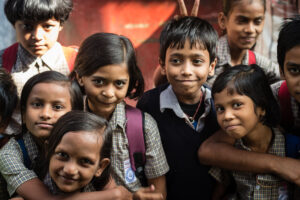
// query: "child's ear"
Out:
[79,79]
[162,68]
[102,165]
[281,74]
[212,66]
[222,20]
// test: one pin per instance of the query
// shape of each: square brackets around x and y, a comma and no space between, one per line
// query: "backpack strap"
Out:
[9,57]
[251,57]
[70,53]
[135,135]
[284,98]
[27,161]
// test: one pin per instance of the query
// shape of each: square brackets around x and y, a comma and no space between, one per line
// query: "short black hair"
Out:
[102,49]
[8,97]
[197,31]
[252,82]
[289,37]
[37,10]
[229,4]
[51,77]
[75,121]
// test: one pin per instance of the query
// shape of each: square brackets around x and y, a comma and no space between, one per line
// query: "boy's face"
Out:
[37,37]
[186,70]
[291,71]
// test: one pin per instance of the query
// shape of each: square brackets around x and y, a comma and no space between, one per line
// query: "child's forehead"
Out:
[32,21]
[188,47]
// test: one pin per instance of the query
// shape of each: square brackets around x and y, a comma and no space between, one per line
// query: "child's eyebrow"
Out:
[292,64]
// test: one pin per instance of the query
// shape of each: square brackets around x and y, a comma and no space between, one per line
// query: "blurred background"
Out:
[142,21]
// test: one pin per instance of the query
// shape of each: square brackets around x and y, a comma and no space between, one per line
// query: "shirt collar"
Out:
[31,146]
[223,52]
[118,117]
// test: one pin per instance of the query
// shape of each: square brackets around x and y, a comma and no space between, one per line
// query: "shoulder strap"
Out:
[284,98]
[70,53]
[9,57]
[251,57]
[27,161]
[135,134]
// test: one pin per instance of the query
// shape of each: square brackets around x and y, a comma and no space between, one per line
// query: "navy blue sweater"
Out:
[187,178]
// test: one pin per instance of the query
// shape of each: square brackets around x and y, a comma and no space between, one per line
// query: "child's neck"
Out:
[237,55]
[260,139]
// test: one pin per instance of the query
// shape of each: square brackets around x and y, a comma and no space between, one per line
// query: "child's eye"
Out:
[197,61]
[48,26]
[258,21]
[58,107]
[98,82]
[120,83]
[175,61]
[27,27]
[219,109]
[62,155]
[236,105]
[294,70]
[36,104]
[86,161]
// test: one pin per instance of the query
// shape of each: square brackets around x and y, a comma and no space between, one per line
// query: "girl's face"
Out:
[76,160]
[236,114]
[46,103]
[106,88]
[243,24]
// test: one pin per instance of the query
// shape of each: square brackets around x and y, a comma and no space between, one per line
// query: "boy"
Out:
[37,24]
[215,151]
[183,110]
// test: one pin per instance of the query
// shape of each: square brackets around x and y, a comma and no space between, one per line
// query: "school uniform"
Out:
[156,164]
[187,178]
[250,186]
[224,60]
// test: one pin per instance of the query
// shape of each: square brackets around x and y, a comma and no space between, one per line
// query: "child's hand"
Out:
[182,9]
[147,193]
[16,198]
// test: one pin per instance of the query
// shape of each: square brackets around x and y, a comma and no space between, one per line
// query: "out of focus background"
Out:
[142,21]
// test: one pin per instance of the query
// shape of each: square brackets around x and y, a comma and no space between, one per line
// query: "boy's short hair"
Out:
[289,37]
[194,29]
[37,10]
[8,97]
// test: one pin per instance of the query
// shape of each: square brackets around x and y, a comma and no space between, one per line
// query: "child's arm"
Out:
[34,189]
[218,151]
[147,193]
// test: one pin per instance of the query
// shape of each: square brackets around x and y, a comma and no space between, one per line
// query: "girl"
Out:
[242,22]
[250,115]
[78,153]
[106,70]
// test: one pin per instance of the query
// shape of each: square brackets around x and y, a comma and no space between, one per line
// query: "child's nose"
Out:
[108,91]
[37,33]
[228,115]
[70,168]
[186,69]
[46,112]
[250,28]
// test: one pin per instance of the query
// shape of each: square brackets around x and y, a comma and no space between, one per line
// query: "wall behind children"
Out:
[142,21]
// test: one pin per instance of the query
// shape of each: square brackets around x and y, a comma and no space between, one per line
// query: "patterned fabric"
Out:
[28,65]
[156,163]
[224,60]
[12,163]
[256,186]
[168,100]
[295,106]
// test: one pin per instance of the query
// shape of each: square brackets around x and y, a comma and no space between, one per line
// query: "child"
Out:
[37,24]
[106,70]
[229,157]
[45,97]
[242,21]
[8,102]
[78,155]
[249,115]
[184,109]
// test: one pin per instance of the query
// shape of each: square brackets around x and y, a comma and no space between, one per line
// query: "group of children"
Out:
[216,109]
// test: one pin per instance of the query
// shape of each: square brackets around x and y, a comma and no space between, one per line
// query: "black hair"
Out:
[37,10]
[75,121]
[289,37]
[8,97]
[51,77]
[229,4]
[101,49]
[197,31]
[252,82]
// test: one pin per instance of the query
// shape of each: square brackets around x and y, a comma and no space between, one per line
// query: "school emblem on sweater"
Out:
[129,173]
